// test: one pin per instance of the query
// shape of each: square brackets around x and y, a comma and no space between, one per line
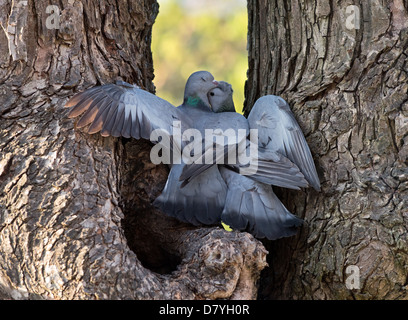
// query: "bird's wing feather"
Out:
[201,203]
[229,129]
[281,174]
[279,131]
[122,110]
[270,168]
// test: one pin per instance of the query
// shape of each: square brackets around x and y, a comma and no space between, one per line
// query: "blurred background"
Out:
[200,35]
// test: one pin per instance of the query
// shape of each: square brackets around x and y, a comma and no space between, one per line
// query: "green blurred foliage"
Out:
[185,42]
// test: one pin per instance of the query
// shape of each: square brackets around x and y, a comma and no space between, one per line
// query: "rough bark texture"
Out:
[74,208]
[349,90]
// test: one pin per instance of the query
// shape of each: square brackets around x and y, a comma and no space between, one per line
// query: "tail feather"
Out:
[253,206]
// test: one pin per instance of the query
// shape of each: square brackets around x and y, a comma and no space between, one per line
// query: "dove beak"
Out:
[215,83]
[208,97]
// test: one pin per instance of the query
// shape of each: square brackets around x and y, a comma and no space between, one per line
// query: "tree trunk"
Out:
[344,71]
[76,220]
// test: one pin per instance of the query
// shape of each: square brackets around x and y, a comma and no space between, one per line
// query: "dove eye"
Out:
[203,79]
[212,94]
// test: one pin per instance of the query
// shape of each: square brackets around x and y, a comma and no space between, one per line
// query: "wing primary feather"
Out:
[110,119]
[100,118]
[92,109]
[82,105]
[76,99]
[119,121]
[127,122]
[146,127]
[302,156]
[135,126]
[139,124]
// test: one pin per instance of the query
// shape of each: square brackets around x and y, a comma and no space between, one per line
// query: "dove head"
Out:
[197,87]
[221,98]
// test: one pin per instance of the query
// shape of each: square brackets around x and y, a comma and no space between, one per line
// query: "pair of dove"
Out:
[211,193]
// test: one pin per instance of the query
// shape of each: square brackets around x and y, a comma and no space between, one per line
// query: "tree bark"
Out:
[346,79]
[76,220]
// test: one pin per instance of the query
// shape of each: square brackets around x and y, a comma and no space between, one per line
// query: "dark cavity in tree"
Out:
[141,182]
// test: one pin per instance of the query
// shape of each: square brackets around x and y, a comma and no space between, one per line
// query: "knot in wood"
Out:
[219,255]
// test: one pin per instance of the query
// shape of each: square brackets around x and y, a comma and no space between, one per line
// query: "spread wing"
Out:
[122,109]
[251,205]
[279,131]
